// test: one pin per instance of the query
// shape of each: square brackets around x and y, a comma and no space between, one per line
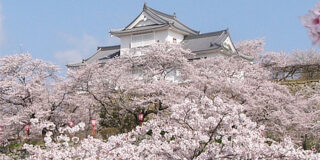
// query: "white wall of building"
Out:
[172,34]
[228,44]
[126,41]
[125,44]
[161,36]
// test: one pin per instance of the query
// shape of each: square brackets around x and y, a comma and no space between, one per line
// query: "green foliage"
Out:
[149,132]
[162,133]
[268,142]
[273,135]
[124,122]
[20,145]
[107,132]
[15,150]
[218,140]
[311,141]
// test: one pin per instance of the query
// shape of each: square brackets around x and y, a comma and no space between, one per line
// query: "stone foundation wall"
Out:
[296,85]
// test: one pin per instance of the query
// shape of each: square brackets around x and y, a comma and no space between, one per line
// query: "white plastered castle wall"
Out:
[126,41]
[159,36]
[172,34]
[228,44]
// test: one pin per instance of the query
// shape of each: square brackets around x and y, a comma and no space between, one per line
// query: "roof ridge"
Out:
[186,26]
[155,16]
[100,49]
[161,18]
[218,39]
[107,47]
[146,8]
[172,17]
[205,34]
[140,29]
[162,13]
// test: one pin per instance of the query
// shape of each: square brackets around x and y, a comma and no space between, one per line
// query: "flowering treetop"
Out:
[312,22]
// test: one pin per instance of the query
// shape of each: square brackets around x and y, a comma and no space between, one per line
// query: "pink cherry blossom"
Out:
[219,108]
[312,23]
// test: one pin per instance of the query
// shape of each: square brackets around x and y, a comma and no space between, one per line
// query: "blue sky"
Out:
[62,31]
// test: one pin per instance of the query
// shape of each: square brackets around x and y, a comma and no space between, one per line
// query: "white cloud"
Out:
[82,47]
[68,56]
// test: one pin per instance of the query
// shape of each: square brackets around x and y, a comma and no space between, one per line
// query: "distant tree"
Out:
[274,59]
[298,64]
[305,57]
[31,92]
[251,48]
[24,91]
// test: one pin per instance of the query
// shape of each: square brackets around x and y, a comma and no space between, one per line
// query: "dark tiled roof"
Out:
[210,41]
[170,19]
[106,48]
[102,54]
[162,19]
[205,41]
[115,54]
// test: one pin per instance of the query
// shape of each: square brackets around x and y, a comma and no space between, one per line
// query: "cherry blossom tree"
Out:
[132,85]
[305,57]
[202,129]
[221,107]
[301,64]
[215,108]
[266,102]
[123,87]
[312,22]
[295,58]
[251,48]
[272,60]
[29,94]
[4,157]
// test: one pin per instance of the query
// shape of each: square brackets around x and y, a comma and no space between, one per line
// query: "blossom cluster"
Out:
[312,22]
[195,130]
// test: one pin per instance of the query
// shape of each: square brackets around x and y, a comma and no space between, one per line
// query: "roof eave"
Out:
[133,21]
[73,65]
[184,32]
[191,30]
[159,12]
[125,33]
[206,50]
[146,8]
[249,58]
[203,35]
